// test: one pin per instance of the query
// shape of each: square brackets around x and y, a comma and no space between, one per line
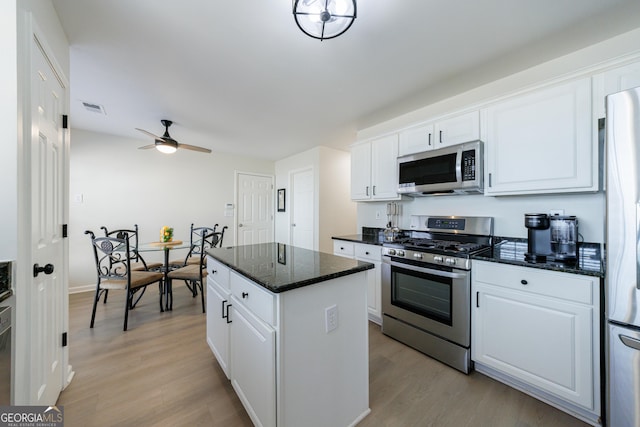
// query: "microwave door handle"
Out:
[429,271]
[459,166]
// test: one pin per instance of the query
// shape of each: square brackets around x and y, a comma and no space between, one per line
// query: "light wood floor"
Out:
[162,373]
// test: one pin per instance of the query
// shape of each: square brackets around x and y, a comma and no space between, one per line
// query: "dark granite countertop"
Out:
[512,250]
[279,267]
[361,238]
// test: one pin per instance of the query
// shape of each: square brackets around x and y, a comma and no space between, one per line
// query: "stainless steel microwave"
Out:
[457,169]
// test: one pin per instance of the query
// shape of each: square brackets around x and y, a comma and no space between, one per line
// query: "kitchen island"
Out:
[289,328]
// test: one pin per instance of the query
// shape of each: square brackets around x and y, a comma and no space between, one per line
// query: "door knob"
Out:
[239,225]
[47,269]
[293,225]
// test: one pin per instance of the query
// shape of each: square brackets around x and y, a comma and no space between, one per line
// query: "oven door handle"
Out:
[428,270]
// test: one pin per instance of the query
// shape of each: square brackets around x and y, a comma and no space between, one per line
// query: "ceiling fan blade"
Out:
[146,147]
[148,133]
[194,148]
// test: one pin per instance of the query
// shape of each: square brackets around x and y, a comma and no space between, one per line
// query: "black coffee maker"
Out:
[539,237]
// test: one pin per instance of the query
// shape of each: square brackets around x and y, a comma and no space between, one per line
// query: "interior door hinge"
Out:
[65,121]
[64,339]
[65,233]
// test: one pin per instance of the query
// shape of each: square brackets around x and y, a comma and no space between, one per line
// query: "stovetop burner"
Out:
[442,245]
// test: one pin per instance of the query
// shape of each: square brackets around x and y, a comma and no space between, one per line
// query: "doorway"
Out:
[254,214]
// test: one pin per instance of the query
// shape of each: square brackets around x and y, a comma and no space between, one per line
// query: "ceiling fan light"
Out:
[324,19]
[166,148]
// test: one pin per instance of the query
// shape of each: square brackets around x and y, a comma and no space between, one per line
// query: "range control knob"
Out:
[450,261]
[417,256]
[400,252]
[391,251]
[437,258]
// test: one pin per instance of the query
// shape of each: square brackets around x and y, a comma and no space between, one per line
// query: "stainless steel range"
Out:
[426,285]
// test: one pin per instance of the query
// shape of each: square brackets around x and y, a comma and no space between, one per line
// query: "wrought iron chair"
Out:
[139,263]
[193,275]
[197,233]
[113,258]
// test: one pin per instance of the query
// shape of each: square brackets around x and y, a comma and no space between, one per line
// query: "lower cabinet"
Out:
[372,254]
[253,376]
[218,307]
[539,331]
[286,365]
[218,323]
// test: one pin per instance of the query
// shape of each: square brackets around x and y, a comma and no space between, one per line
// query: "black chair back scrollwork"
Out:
[113,258]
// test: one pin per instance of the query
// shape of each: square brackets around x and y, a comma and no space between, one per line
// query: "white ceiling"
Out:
[240,77]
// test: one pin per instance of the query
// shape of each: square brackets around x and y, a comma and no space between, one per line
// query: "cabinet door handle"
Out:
[367,190]
[489,179]
[478,299]
[224,316]
[440,137]
[524,282]
[374,190]
[245,294]
[366,253]
[228,318]
[429,139]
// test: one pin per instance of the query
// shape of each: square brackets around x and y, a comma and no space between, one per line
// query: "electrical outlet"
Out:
[553,212]
[378,215]
[330,318]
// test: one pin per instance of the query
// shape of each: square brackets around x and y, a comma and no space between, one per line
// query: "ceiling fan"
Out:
[166,144]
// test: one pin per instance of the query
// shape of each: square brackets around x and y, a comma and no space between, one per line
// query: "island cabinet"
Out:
[374,169]
[297,350]
[541,142]
[218,307]
[539,331]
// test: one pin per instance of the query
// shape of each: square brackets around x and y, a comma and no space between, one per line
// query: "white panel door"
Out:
[255,209]
[48,154]
[302,209]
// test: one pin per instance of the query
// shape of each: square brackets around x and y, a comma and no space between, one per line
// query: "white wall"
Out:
[509,211]
[335,212]
[114,184]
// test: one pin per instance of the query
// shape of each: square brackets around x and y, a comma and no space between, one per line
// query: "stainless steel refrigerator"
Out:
[622,262]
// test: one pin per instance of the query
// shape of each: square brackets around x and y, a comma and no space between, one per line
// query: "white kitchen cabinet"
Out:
[253,375]
[218,307]
[280,344]
[344,248]
[416,139]
[451,130]
[374,169]
[612,81]
[457,129]
[372,254]
[541,142]
[539,331]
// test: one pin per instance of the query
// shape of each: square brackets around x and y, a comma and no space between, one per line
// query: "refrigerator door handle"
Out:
[637,245]
[630,342]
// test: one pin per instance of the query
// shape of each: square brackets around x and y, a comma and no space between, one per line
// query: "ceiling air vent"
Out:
[94,108]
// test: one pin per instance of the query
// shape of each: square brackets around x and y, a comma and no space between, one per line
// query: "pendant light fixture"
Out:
[324,19]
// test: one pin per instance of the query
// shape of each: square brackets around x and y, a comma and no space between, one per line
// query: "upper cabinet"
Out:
[416,140]
[541,142]
[374,169]
[457,129]
[451,130]
[612,81]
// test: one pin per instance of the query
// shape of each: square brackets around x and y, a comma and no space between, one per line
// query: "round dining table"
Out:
[166,267]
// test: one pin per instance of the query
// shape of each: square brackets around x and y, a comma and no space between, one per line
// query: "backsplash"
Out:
[507,211]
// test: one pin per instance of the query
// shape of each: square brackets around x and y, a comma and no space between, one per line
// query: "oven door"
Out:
[434,300]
